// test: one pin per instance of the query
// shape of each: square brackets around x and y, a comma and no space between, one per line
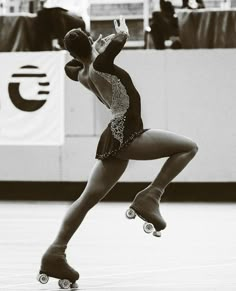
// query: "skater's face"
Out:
[101,43]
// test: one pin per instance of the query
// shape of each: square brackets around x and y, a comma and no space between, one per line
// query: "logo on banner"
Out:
[17,96]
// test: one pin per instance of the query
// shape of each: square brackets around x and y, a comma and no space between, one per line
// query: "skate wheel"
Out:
[148,227]
[130,213]
[157,233]
[64,284]
[43,278]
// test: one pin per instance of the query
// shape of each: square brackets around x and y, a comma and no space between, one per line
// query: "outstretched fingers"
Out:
[121,26]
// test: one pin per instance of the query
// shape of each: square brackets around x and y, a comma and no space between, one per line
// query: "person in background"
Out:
[165,27]
[53,21]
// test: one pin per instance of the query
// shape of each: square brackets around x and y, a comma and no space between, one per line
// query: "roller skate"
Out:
[54,264]
[146,206]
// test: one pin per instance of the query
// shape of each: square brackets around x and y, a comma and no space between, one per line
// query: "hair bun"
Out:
[73,35]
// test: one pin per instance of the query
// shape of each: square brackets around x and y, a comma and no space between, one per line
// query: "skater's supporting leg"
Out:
[103,177]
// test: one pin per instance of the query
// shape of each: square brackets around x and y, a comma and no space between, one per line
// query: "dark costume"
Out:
[126,123]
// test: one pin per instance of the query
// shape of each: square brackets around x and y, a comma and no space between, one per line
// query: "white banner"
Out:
[32,98]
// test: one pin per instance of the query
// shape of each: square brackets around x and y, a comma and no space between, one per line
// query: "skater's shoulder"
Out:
[73,68]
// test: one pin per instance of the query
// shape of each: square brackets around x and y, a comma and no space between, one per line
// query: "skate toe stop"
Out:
[157,233]
[74,286]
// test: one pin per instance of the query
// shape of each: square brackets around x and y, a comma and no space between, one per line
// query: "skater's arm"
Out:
[72,69]
[106,59]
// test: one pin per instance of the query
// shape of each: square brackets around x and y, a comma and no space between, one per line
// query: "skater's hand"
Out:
[121,27]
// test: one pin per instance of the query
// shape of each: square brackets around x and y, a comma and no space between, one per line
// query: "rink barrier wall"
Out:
[122,192]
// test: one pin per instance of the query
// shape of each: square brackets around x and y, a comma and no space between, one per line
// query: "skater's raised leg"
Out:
[104,176]
[155,144]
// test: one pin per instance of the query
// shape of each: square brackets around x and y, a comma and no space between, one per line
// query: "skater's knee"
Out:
[189,147]
[90,201]
[194,149]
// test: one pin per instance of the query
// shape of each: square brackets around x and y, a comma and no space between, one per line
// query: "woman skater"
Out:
[122,140]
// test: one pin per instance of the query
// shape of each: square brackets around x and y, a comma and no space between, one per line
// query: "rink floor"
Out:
[197,251]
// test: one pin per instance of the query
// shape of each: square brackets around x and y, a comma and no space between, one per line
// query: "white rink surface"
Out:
[197,251]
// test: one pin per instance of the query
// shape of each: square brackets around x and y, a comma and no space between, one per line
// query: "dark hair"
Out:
[77,43]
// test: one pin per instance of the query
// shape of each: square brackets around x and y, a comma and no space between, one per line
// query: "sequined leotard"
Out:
[123,101]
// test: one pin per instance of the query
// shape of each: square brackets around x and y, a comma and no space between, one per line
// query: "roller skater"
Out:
[123,139]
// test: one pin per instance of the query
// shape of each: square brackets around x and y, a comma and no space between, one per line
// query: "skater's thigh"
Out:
[156,143]
[105,174]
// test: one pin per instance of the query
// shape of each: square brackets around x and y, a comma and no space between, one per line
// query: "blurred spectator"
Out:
[164,27]
[53,22]
[193,4]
